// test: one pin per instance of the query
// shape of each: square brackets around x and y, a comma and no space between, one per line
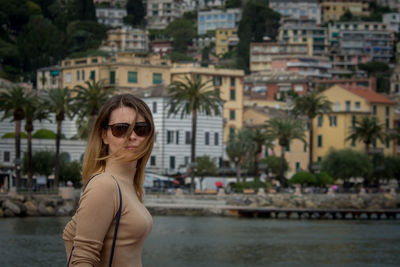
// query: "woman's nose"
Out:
[132,136]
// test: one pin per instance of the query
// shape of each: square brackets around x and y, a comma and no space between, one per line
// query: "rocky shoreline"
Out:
[13,205]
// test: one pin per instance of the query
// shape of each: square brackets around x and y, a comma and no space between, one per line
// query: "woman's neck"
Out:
[121,170]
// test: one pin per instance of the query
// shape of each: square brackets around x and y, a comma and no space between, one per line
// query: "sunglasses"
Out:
[121,129]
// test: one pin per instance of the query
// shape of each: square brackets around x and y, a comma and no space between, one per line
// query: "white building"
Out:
[49,78]
[111,16]
[392,20]
[297,9]
[161,12]
[216,18]
[171,152]
[190,5]
[126,39]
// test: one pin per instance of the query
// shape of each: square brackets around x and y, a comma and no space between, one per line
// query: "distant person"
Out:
[119,146]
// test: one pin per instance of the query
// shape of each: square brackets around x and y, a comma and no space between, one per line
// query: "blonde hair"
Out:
[96,152]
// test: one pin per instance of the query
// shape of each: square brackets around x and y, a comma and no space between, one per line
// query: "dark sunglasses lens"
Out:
[142,129]
[119,130]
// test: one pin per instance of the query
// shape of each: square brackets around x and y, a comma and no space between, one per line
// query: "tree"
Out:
[238,149]
[258,139]
[43,162]
[82,10]
[12,103]
[285,130]
[89,99]
[191,96]
[85,35]
[70,171]
[182,31]
[311,105]
[367,130]
[273,165]
[347,16]
[59,101]
[303,178]
[258,20]
[381,71]
[346,163]
[233,4]
[205,166]
[34,110]
[136,12]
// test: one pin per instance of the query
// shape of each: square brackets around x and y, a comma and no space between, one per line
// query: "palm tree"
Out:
[258,139]
[285,130]
[189,97]
[367,130]
[311,105]
[90,98]
[59,101]
[238,149]
[34,110]
[12,102]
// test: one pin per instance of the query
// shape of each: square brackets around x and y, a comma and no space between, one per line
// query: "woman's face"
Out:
[123,115]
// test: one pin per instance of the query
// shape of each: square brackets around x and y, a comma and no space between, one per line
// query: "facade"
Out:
[334,9]
[349,105]
[367,83]
[225,40]
[161,12]
[297,9]
[48,78]
[171,151]
[216,18]
[270,86]
[392,4]
[112,3]
[201,42]
[395,77]
[111,16]
[305,32]
[311,66]
[261,53]
[392,20]
[161,47]
[123,71]
[126,39]
[230,84]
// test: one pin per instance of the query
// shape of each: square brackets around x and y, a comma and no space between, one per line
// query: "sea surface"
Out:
[215,241]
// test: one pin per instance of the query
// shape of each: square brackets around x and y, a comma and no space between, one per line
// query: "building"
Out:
[349,105]
[162,47]
[334,9]
[123,70]
[367,83]
[311,66]
[392,4]
[171,152]
[162,12]
[230,84]
[305,32]
[199,43]
[111,16]
[225,40]
[217,18]
[126,39]
[271,86]
[261,53]
[111,3]
[48,78]
[392,20]
[395,77]
[297,9]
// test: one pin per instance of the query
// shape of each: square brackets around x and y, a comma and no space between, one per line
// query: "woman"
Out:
[119,146]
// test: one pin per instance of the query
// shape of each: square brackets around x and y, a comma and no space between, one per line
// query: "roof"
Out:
[370,95]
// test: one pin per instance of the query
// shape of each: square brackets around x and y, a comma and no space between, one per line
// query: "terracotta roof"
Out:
[370,95]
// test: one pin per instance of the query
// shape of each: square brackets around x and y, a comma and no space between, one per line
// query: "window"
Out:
[153,161]
[305,147]
[348,104]
[154,107]
[288,148]
[177,138]
[357,105]
[216,139]
[112,77]
[332,121]
[186,159]
[231,131]
[320,121]
[170,137]
[132,77]
[319,159]
[68,77]
[157,78]
[232,115]
[387,142]
[387,123]
[396,88]
[297,165]
[93,75]
[387,111]
[374,109]
[188,138]
[217,81]
[353,121]
[207,139]
[319,140]
[83,75]
[232,95]
[6,156]
[77,75]
[172,162]
[232,81]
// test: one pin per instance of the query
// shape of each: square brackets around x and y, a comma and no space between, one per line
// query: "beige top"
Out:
[91,229]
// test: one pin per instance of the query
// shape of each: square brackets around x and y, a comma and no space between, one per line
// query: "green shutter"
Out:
[112,77]
[132,77]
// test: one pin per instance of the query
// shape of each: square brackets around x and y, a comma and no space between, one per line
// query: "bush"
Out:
[12,135]
[323,179]
[273,164]
[303,178]
[256,184]
[44,134]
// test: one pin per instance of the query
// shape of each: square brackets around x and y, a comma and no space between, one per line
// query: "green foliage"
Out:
[374,67]
[85,35]
[205,166]
[44,134]
[273,164]
[347,163]
[256,184]
[323,179]
[42,162]
[90,52]
[136,12]
[82,10]
[191,15]
[12,135]
[233,4]
[180,57]
[182,31]
[70,171]
[348,16]
[303,178]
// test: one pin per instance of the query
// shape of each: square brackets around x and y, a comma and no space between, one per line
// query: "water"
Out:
[204,241]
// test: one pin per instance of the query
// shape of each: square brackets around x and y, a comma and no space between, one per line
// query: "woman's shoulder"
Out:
[101,180]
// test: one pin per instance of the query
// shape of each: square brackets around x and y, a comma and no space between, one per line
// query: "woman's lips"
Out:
[130,147]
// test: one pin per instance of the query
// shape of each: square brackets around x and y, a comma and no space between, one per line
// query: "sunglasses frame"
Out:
[135,129]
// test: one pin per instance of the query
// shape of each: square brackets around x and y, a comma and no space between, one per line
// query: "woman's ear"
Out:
[104,137]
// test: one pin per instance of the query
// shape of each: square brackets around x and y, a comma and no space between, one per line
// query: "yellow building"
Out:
[123,71]
[224,37]
[296,153]
[230,84]
[333,10]
[349,105]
